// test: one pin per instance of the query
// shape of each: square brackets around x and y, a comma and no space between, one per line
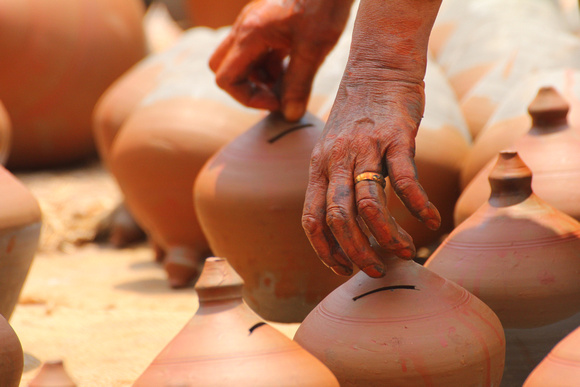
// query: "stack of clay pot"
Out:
[52,374]
[551,150]
[511,119]
[409,328]
[486,47]
[11,356]
[226,344]
[155,128]
[60,56]
[249,199]
[20,221]
[562,365]
[521,256]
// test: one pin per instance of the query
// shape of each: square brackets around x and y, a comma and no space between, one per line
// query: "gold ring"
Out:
[371,176]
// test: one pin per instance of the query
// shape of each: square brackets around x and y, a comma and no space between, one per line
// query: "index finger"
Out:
[403,176]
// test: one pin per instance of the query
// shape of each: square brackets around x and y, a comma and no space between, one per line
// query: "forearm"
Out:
[390,39]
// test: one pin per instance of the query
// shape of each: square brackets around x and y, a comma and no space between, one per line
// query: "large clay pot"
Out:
[226,344]
[213,14]
[249,199]
[561,367]
[496,44]
[511,119]
[20,221]
[59,58]
[52,374]
[551,149]
[11,356]
[442,142]
[409,328]
[156,158]
[500,253]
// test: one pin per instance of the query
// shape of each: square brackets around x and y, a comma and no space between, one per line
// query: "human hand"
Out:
[372,128]
[250,63]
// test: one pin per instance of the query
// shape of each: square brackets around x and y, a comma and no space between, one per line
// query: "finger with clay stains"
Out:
[318,232]
[341,218]
[371,203]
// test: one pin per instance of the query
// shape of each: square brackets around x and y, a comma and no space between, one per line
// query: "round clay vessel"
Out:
[156,158]
[249,199]
[5,134]
[11,356]
[551,149]
[213,14]
[20,222]
[561,367]
[442,127]
[63,54]
[52,374]
[511,119]
[409,328]
[226,344]
[516,253]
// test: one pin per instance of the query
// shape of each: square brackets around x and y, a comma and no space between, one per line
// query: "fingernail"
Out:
[375,271]
[341,270]
[293,111]
[433,220]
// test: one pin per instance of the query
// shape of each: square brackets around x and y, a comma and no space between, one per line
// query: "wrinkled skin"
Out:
[372,125]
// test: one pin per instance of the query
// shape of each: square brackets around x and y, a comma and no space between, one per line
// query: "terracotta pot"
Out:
[63,55]
[516,253]
[511,119]
[562,365]
[496,44]
[213,14]
[11,356]
[156,158]
[5,134]
[409,328]
[20,221]
[249,200]
[52,374]
[551,150]
[227,344]
[442,127]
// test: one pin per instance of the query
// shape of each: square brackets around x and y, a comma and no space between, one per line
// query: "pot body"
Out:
[20,222]
[62,55]
[156,158]
[11,356]
[226,344]
[249,199]
[409,328]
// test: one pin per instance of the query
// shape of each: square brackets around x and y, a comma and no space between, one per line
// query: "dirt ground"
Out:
[105,312]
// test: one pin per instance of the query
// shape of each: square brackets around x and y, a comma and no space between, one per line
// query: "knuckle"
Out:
[311,225]
[369,208]
[404,183]
[336,217]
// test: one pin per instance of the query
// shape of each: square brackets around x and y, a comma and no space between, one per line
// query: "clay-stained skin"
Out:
[373,123]
[249,64]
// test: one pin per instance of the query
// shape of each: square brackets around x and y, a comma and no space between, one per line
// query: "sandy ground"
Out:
[105,312]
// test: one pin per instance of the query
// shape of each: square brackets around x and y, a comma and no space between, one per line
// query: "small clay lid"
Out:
[218,281]
[549,108]
[510,180]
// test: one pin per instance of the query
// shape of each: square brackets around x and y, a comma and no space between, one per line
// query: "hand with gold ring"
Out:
[370,134]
